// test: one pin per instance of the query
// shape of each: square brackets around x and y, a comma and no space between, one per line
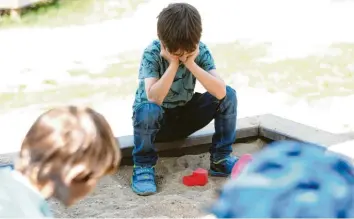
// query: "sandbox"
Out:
[114,198]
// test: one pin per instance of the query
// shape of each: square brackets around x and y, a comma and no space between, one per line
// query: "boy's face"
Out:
[70,192]
[79,189]
[74,187]
[182,56]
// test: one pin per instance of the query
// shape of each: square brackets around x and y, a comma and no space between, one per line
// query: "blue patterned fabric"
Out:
[154,66]
[290,180]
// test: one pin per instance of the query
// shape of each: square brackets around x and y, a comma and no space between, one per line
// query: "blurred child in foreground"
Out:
[290,180]
[64,154]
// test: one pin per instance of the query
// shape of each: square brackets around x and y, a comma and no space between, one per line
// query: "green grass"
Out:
[64,94]
[237,57]
[311,77]
[127,66]
[71,12]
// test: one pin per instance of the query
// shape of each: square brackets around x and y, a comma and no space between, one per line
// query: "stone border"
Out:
[267,126]
[246,128]
[277,128]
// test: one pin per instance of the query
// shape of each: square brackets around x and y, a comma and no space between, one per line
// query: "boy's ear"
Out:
[73,173]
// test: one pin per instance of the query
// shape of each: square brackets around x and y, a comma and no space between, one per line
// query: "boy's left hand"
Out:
[191,58]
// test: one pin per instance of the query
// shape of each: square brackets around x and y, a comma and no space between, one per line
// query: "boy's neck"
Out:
[45,191]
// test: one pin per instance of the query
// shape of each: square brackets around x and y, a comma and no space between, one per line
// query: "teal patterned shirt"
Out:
[19,199]
[154,66]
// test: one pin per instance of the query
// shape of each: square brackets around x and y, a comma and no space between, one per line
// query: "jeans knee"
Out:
[229,103]
[148,116]
[231,95]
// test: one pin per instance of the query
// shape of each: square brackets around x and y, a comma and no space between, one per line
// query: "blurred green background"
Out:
[328,74]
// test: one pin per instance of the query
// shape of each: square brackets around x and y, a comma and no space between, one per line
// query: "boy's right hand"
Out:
[166,55]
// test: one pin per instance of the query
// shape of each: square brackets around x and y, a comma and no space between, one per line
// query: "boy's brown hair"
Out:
[179,27]
[65,137]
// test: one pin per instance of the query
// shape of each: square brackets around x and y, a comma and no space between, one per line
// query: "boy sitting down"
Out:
[166,107]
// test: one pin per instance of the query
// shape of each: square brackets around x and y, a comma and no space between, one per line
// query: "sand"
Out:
[114,198]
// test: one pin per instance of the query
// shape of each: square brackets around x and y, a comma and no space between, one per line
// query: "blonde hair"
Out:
[64,137]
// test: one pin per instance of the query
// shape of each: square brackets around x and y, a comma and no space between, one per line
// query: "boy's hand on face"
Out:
[166,55]
[191,58]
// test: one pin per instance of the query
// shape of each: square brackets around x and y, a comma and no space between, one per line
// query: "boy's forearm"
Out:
[212,84]
[160,89]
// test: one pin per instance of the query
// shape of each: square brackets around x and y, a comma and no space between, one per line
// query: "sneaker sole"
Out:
[142,193]
[219,174]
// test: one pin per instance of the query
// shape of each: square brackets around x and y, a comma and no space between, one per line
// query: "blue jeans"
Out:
[153,123]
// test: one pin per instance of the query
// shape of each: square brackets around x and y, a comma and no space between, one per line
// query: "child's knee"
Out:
[148,116]
[229,103]
[231,95]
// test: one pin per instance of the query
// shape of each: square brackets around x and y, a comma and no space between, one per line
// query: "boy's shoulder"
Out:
[17,199]
[202,47]
[154,47]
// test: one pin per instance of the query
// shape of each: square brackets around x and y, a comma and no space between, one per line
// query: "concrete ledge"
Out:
[344,148]
[246,128]
[268,127]
[277,128]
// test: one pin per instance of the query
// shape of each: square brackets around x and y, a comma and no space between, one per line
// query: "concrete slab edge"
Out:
[277,128]
[266,126]
[246,128]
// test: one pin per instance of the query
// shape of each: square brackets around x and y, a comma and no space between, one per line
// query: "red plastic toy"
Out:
[240,165]
[199,177]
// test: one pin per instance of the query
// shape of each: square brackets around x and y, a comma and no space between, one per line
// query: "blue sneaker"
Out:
[143,180]
[222,167]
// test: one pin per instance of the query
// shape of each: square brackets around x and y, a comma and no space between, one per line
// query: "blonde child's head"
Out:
[66,151]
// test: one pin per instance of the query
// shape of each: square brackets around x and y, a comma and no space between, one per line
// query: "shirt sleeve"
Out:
[206,60]
[150,63]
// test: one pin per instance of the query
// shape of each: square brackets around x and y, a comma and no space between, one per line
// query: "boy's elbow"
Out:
[221,94]
[153,99]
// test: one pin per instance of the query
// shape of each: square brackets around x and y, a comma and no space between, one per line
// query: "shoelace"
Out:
[227,161]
